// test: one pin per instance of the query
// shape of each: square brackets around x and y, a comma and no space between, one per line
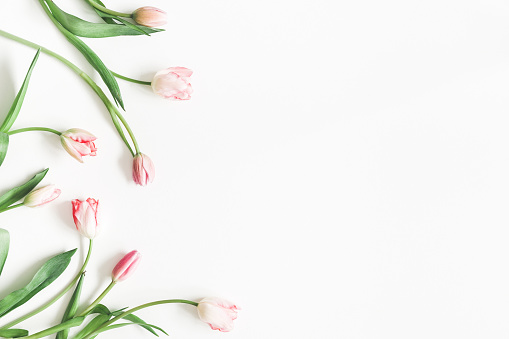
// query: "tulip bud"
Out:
[143,169]
[84,214]
[41,196]
[149,16]
[78,143]
[173,83]
[218,313]
[126,266]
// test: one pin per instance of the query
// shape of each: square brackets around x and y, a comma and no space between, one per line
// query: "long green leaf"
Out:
[91,57]
[72,307]
[19,192]
[106,17]
[57,328]
[4,247]
[137,320]
[91,326]
[18,101]
[50,271]
[112,327]
[13,333]
[88,29]
[4,145]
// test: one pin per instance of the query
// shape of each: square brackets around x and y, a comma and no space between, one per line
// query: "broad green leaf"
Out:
[72,307]
[50,271]
[4,247]
[13,333]
[19,192]
[137,320]
[92,325]
[18,101]
[4,144]
[88,29]
[90,55]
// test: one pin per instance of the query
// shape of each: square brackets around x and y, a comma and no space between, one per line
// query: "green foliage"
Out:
[48,273]
[4,247]
[18,193]
[72,307]
[4,145]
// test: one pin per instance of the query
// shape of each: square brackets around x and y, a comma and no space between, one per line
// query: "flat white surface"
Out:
[340,172]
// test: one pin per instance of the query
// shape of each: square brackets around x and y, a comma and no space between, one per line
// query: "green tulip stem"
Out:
[120,76]
[98,300]
[114,112]
[29,129]
[60,295]
[11,207]
[108,11]
[134,309]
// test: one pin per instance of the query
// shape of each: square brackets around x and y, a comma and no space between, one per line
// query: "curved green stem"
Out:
[29,129]
[114,113]
[11,207]
[60,295]
[120,76]
[108,11]
[134,309]
[98,300]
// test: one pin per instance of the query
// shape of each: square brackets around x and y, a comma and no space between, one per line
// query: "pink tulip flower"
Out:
[173,83]
[149,16]
[85,217]
[218,313]
[78,143]
[41,196]
[126,266]
[143,169]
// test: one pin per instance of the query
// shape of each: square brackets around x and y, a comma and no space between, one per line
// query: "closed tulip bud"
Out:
[149,16]
[85,218]
[218,313]
[143,169]
[126,266]
[173,83]
[78,143]
[41,196]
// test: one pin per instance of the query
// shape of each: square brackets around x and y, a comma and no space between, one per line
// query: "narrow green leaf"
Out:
[72,307]
[13,333]
[106,17]
[68,324]
[91,326]
[112,327]
[18,193]
[50,271]
[18,101]
[4,144]
[4,247]
[91,57]
[137,320]
[88,29]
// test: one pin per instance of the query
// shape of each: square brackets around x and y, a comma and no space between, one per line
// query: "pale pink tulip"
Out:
[143,169]
[149,16]
[41,196]
[173,83]
[126,266]
[85,217]
[218,313]
[78,143]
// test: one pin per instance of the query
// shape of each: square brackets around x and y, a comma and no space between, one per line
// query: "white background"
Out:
[342,170]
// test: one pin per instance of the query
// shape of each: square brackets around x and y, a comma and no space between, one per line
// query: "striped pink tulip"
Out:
[78,143]
[41,196]
[173,83]
[85,218]
[218,313]
[143,169]
[126,266]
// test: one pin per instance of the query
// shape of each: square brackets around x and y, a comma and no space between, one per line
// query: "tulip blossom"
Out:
[78,143]
[85,217]
[149,16]
[143,169]
[41,196]
[173,83]
[218,313]
[126,266]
